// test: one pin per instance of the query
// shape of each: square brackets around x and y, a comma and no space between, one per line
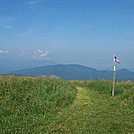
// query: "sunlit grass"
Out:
[27,103]
[50,105]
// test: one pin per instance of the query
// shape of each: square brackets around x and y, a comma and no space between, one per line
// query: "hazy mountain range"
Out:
[11,64]
[74,72]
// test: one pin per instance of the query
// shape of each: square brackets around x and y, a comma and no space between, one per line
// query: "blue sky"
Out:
[87,32]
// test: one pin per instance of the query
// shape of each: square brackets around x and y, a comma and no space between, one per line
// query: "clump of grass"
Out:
[26,102]
[105,87]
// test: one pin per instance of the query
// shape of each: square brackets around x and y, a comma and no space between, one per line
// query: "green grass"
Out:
[34,105]
[27,104]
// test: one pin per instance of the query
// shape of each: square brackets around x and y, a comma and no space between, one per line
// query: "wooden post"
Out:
[114,74]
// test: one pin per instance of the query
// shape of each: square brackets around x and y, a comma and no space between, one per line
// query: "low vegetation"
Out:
[32,105]
[28,104]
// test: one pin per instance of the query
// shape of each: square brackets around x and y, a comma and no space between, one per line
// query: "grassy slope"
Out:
[94,113]
[58,109]
[29,104]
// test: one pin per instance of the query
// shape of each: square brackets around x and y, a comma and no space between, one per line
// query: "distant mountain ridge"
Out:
[10,65]
[74,72]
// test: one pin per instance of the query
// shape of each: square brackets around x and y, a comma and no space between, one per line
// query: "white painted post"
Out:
[114,74]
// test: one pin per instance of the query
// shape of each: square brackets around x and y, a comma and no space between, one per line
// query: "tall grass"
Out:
[124,91]
[113,114]
[33,105]
[104,86]
[28,103]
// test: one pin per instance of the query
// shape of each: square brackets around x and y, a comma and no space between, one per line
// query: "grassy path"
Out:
[93,113]
[82,97]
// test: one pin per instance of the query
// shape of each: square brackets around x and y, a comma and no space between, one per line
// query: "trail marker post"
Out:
[114,73]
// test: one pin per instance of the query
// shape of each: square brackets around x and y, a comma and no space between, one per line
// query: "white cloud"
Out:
[3,52]
[40,54]
[23,53]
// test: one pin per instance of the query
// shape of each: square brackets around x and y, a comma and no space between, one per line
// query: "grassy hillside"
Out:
[107,114]
[48,105]
[29,104]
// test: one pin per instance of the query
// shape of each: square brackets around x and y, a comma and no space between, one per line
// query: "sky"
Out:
[86,32]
